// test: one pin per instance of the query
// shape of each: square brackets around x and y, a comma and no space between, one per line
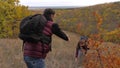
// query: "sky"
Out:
[64,2]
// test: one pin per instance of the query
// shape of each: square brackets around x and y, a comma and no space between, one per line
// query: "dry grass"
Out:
[62,55]
[11,54]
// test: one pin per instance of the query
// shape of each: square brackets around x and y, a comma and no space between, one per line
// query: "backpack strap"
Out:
[23,45]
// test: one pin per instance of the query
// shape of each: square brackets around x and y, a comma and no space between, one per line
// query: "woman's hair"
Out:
[47,13]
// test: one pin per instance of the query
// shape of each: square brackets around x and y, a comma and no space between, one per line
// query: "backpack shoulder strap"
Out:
[23,45]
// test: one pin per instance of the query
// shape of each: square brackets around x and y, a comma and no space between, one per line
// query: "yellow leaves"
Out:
[113,36]
[116,31]
[9,14]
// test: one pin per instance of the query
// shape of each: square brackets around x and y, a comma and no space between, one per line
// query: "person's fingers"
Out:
[68,38]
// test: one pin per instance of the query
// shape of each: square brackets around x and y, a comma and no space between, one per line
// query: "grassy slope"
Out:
[62,55]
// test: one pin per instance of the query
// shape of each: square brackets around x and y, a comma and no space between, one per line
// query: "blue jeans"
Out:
[34,62]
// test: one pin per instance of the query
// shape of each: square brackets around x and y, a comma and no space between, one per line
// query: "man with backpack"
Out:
[37,38]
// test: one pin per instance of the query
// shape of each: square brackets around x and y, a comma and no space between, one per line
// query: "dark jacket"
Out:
[40,50]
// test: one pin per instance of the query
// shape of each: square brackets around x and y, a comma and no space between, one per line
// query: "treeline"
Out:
[85,20]
[11,12]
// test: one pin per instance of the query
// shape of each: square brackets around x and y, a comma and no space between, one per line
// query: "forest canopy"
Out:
[11,12]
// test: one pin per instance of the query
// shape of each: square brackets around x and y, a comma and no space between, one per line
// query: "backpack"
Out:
[31,28]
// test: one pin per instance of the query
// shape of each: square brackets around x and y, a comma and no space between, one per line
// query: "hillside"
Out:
[109,13]
[87,20]
[62,55]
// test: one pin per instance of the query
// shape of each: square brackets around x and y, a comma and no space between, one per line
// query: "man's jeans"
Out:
[34,62]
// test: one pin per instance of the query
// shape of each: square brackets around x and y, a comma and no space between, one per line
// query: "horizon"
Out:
[61,7]
[38,3]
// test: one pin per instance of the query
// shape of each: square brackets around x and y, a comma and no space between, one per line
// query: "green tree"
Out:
[11,12]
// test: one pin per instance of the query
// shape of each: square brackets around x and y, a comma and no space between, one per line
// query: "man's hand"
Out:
[68,37]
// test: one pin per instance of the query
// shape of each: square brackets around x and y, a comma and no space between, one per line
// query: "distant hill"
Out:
[85,20]
[109,13]
[53,7]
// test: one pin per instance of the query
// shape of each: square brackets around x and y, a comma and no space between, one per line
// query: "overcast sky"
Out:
[64,2]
